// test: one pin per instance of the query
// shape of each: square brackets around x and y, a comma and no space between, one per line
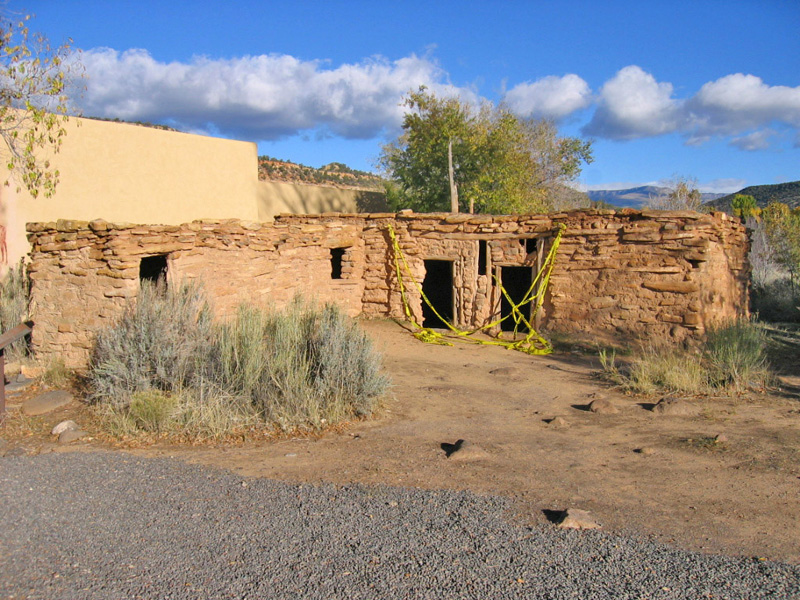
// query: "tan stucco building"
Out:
[123,172]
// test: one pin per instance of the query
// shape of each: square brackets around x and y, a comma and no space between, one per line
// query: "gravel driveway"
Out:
[108,525]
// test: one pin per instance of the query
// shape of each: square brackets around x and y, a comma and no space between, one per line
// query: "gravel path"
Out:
[108,525]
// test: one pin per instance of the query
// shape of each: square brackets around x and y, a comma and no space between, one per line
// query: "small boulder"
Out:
[645,451]
[603,406]
[558,423]
[509,373]
[675,407]
[45,403]
[64,426]
[575,518]
[466,451]
[70,435]
[19,383]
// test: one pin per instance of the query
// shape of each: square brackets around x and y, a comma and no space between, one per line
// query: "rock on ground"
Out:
[45,403]
[676,407]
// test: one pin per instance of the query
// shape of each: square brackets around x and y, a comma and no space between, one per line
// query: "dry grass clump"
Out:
[732,358]
[737,355]
[165,368]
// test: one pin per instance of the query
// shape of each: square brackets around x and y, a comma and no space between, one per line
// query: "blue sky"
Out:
[704,89]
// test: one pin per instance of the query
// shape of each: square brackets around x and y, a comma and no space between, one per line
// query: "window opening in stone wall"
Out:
[531,245]
[153,269]
[516,281]
[337,256]
[482,251]
[438,288]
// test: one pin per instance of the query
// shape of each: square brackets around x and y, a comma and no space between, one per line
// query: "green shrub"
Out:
[737,354]
[304,366]
[14,294]
[154,345]
[152,410]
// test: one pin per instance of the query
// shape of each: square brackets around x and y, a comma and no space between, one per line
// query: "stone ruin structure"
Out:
[618,275]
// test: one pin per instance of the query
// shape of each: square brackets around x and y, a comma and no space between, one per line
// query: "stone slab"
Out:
[47,402]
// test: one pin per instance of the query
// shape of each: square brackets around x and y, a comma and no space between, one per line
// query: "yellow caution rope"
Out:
[533,343]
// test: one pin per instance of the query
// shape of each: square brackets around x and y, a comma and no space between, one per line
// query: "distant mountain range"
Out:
[788,193]
[637,197]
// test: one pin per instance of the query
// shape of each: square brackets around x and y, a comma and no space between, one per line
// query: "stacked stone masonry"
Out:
[618,276]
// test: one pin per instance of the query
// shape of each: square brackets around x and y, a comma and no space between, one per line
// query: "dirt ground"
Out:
[740,496]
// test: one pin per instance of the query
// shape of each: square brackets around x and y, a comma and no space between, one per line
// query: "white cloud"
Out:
[267,97]
[757,140]
[617,185]
[550,97]
[736,103]
[257,97]
[632,105]
[727,185]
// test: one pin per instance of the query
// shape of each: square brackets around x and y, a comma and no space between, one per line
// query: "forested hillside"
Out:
[788,193]
[334,174]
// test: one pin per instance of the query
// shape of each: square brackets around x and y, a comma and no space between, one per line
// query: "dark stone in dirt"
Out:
[18,384]
[64,426]
[47,402]
[603,406]
[463,450]
[558,423]
[511,373]
[575,518]
[675,407]
[71,435]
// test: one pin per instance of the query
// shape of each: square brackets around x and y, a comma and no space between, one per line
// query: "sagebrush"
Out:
[165,366]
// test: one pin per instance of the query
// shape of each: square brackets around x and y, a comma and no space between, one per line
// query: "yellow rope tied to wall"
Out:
[533,343]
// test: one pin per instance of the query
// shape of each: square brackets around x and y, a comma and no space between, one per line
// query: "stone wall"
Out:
[617,275]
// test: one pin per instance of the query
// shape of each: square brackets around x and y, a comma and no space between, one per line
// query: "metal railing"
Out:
[8,338]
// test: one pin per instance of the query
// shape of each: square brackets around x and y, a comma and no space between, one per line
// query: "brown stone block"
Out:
[598,302]
[119,274]
[65,225]
[676,287]
[641,237]
[691,319]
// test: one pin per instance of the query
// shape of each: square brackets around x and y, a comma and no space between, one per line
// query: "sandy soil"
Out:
[740,497]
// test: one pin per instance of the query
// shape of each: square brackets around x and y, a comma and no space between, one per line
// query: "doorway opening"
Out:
[153,269]
[516,281]
[438,288]
[337,256]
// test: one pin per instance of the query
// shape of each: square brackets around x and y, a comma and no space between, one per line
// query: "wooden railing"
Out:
[8,338]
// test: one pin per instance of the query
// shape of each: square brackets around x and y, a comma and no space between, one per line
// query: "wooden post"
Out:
[453,188]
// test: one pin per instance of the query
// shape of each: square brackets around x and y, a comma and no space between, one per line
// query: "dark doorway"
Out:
[438,288]
[516,281]
[337,255]
[482,253]
[153,269]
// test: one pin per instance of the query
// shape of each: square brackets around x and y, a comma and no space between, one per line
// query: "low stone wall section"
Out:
[617,276]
